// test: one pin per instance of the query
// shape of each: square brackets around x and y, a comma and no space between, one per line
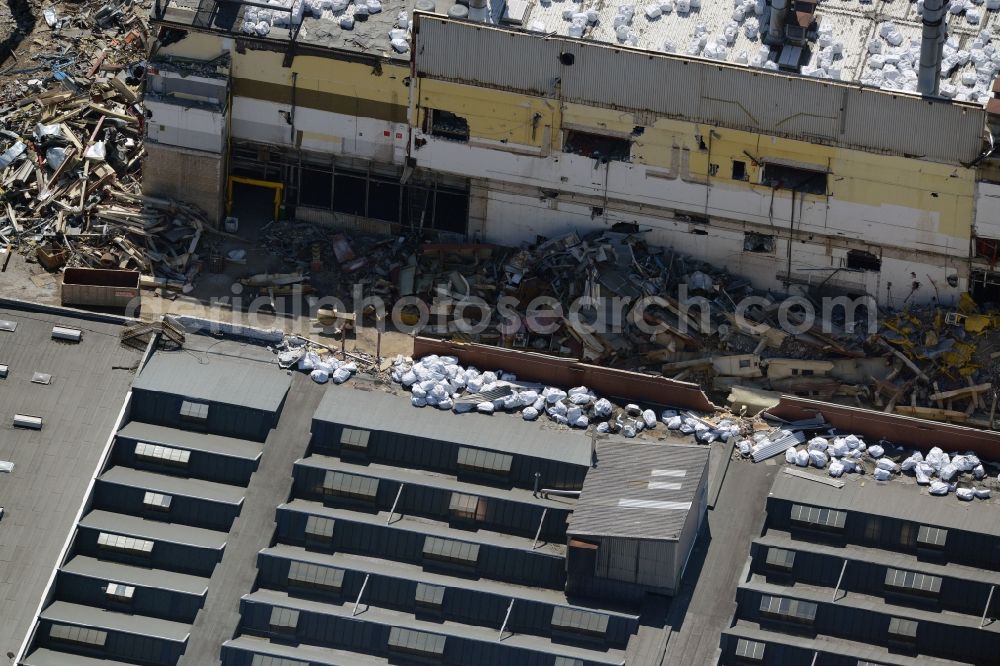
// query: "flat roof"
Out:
[436,480]
[174,485]
[413,572]
[313,654]
[211,377]
[692,34]
[389,617]
[109,570]
[642,491]
[120,523]
[46,657]
[193,441]
[899,498]
[52,466]
[357,404]
[129,623]
[426,527]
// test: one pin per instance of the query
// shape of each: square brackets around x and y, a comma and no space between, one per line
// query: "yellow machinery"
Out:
[278,188]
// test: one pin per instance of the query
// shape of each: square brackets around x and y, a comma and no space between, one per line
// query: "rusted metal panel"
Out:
[566,372]
[770,103]
[99,287]
[904,430]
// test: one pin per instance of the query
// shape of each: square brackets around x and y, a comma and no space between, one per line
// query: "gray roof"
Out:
[899,498]
[435,480]
[310,653]
[640,490]
[89,616]
[387,617]
[430,528]
[45,657]
[415,573]
[174,485]
[211,378]
[54,465]
[380,410]
[137,576]
[154,530]
[193,441]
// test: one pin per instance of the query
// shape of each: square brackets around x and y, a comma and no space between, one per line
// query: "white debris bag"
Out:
[876,451]
[744,447]
[982,493]
[802,458]
[938,488]
[911,462]
[818,458]
[818,444]
[341,375]
[881,474]
[948,472]
[923,471]
[887,465]
[602,408]
[965,494]
[529,414]
[418,402]
[836,469]
[649,418]
[674,423]
[319,376]
[485,408]
[790,453]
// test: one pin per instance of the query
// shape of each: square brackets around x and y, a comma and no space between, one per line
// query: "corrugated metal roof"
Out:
[138,576]
[154,530]
[895,499]
[174,485]
[381,411]
[702,91]
[89,616]
[193,441]
[209,378]
[639,490]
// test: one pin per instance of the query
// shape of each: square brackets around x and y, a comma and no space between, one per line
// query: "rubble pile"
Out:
[441,382]
[71,148]
[321,361]
[961,474]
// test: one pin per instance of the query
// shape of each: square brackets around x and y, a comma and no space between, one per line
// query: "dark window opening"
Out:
[598,147]
[754,242]
[383,200]
[865,261]
[449,126]
[567,58]
[451,212]
[349,194]
[699,232]
[985,287]
[622,227]
[793,178]
[988,248]
[739,170]
[316,189]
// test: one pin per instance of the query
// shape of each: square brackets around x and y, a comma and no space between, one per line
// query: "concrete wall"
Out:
[188,175]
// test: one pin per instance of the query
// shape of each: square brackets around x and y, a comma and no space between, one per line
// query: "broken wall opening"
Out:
[597,146]
[785,177]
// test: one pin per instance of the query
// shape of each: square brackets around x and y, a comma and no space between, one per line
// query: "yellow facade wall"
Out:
[944,192]
[496,115]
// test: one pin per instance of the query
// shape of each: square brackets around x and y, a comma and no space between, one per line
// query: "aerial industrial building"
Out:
[244,514]
[837,143]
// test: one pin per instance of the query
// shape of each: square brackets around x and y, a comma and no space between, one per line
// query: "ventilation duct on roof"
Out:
[931,45]
[776,28]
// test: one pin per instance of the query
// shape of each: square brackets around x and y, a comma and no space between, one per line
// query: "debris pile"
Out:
[71,149]
[441,382]
[962,474]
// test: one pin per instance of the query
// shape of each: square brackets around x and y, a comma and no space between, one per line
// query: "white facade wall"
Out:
[322,131]
[987,210]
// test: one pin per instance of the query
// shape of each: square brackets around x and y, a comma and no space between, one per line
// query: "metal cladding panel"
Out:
[756,101]
[937,130]
[476,55]
[619,78]
[701,91]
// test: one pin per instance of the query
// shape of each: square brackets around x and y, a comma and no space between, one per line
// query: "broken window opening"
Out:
[754,242]
[598,147]
[739,170]
[784,177]
[988,248]
[864,261]
[316,188]
[447,125]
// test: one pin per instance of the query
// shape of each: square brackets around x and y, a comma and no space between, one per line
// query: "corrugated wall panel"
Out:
[700,91]
[526,62]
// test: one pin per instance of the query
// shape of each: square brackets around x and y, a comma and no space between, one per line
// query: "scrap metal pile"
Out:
[932,363]
[71,151]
